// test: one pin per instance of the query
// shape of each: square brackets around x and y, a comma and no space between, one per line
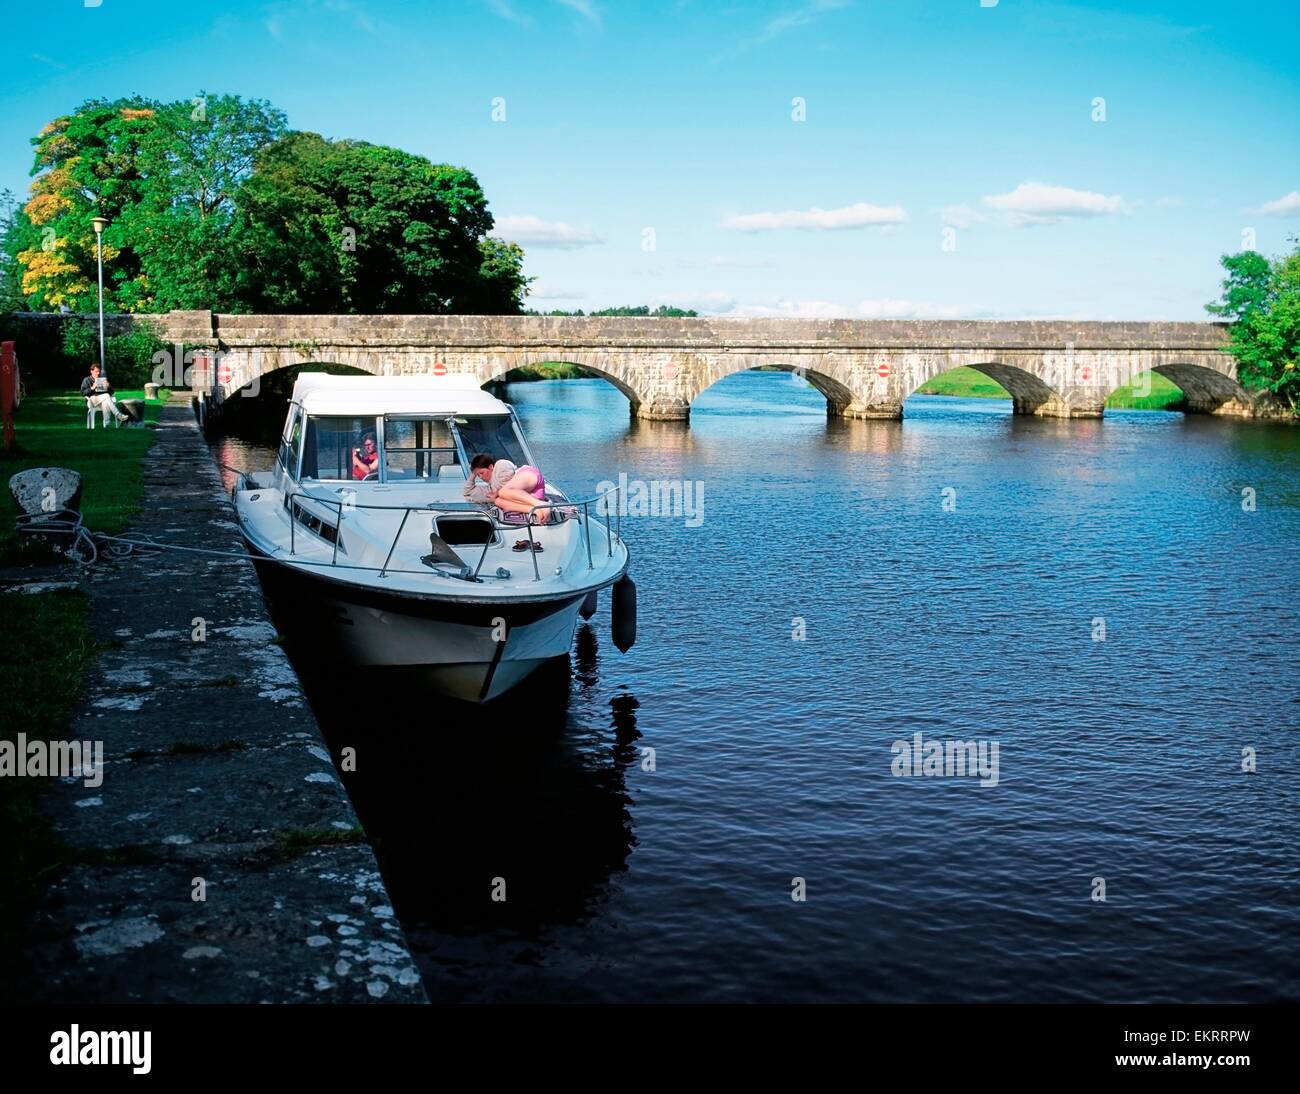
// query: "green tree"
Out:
[87,164]
[663,311]
[11,273]
[195,160]
[212,203]
[1246,286]
[1263,299]
[501,283]
[354,227]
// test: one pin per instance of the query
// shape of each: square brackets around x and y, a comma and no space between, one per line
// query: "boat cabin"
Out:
[393,430]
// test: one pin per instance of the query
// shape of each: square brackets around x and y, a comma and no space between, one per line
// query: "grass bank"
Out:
[50,431]
[970,383]
[47,646]
[967,383]
[546,370]
[47,651]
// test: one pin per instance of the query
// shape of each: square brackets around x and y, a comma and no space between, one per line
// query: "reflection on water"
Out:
[648,811]
[454,796]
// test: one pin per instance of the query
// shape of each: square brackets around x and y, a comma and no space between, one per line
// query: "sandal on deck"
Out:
[522,545]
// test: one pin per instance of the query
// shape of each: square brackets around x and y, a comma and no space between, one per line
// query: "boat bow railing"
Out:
[467,510]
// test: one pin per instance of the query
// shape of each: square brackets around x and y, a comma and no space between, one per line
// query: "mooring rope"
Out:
[122,546]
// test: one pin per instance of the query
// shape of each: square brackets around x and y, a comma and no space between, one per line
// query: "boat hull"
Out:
[469,650]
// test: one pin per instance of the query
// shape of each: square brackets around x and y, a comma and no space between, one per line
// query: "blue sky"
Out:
[678,118]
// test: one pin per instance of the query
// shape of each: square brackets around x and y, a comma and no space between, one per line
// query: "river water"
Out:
[1098,598]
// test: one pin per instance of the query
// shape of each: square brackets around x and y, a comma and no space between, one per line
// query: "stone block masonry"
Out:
[864,368]
[215,772]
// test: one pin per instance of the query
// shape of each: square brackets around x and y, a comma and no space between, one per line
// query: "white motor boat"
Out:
[394,568]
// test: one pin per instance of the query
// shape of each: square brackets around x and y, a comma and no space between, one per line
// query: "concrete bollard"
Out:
[151,391]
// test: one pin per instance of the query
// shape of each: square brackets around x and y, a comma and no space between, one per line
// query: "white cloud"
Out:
[710,302]
[543,291]
[535,232]
[909,309]
[742,263]
[277,15]
[1036,203]
[1286,206]
[865,309]
[786,21]
[359,16]
[584,8]
[795,309]
[860,215]
[962,216]
[506,11]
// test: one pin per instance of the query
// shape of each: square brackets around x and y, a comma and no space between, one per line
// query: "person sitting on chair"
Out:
[98,392]
[365,460]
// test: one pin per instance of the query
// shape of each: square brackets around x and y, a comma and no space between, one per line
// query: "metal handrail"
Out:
[457,508]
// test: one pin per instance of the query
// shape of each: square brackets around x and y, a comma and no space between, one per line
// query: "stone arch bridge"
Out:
[864,368]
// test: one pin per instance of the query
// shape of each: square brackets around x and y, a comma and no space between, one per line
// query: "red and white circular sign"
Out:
[882,370]
[439,369]
[670,370]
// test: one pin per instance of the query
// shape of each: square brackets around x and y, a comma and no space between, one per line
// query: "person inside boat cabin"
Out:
[511,489]
[365,459]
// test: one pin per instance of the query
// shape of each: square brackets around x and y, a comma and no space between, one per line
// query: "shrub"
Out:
[130,354]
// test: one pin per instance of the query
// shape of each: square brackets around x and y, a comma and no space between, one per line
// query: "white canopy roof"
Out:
[455,393]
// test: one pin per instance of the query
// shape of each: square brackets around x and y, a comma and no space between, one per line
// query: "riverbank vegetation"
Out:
[1261,297]
[50,430]
[47,654]
[214,203]
[547,370]
[663,311]
[970,383]
[49,646]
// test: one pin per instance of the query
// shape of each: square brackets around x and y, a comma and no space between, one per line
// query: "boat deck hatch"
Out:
[312,522]
[459,531]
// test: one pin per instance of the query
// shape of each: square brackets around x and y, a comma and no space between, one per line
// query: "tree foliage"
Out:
[1262,298]
[663,311]
[87,164]
[11,273]
[129,355]
[355,227]
[214,203]
[196,159]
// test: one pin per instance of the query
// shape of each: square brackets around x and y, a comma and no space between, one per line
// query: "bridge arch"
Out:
[597,364]
[1207,389]
[820,374]
[1030,392]
[280,378]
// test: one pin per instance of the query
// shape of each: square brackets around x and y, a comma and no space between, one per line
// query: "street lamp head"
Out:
[99,223]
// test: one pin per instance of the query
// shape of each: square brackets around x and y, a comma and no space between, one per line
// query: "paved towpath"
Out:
[216,783]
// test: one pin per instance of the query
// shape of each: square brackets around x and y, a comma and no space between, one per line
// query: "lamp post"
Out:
[99,223]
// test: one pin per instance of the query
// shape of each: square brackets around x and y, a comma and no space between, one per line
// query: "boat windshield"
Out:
[336,448]
[420,448]
[494,435]
[406,448]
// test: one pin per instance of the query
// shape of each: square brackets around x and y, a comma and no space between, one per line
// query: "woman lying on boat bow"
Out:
[511,489]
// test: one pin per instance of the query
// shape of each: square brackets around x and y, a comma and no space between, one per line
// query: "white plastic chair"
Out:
[92,410]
